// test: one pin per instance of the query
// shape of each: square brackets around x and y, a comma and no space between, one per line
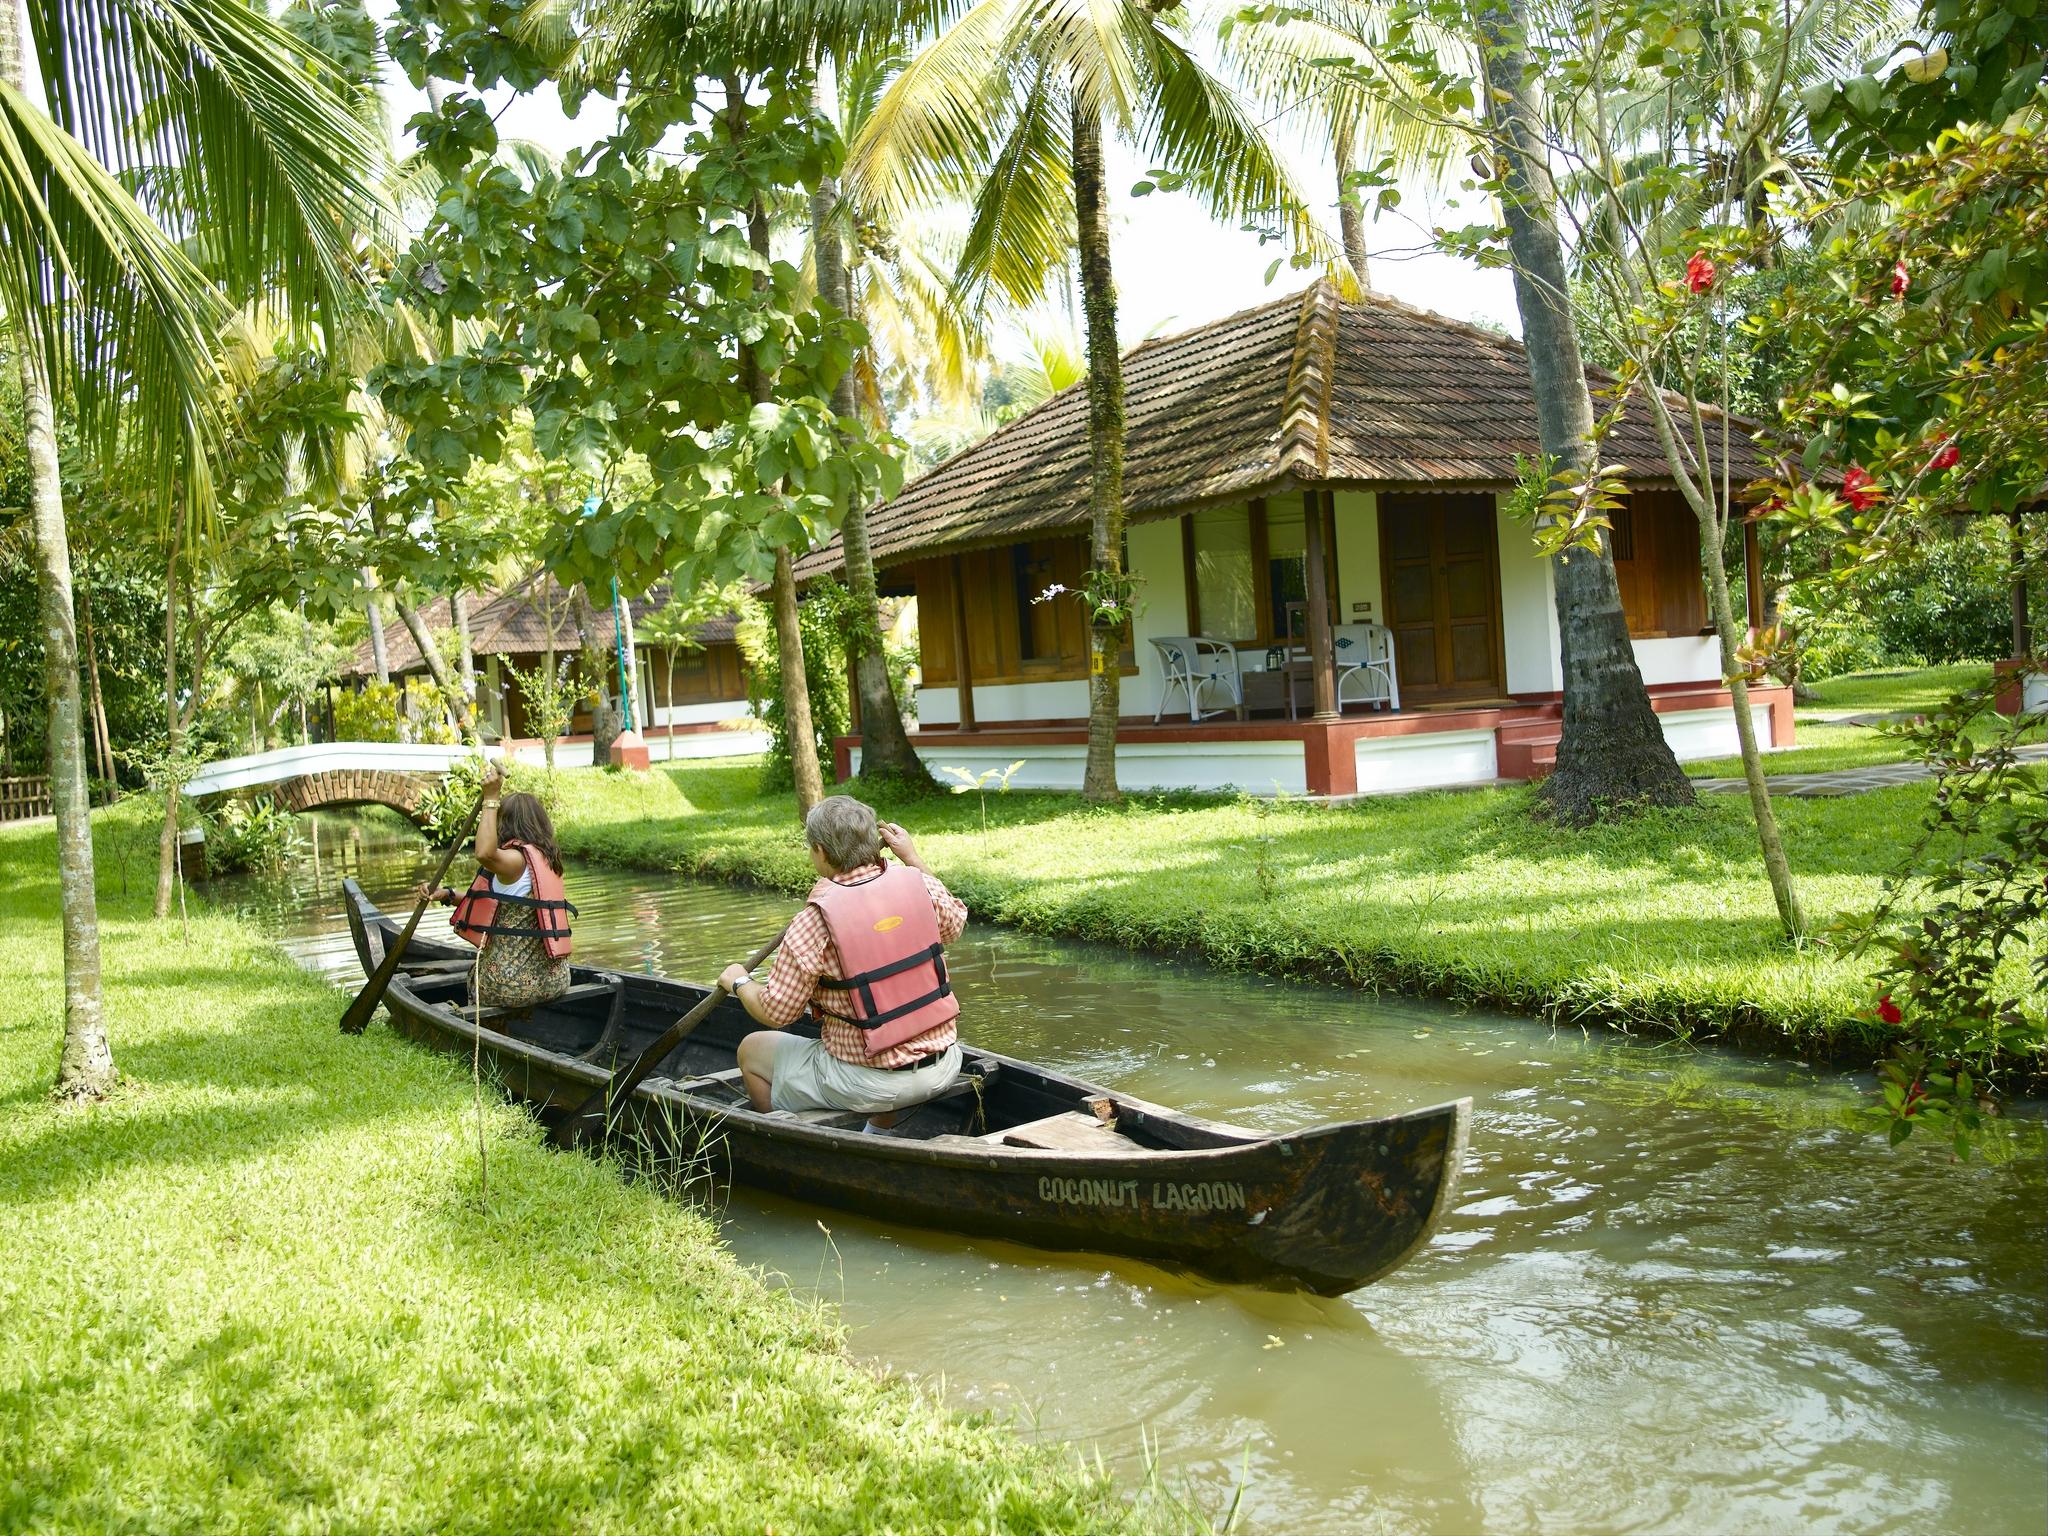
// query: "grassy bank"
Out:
[257,1290]
[1824,745]
[1662,924]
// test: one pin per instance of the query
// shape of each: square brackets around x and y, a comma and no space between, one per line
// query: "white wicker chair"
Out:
[1365,665]
[1192,663]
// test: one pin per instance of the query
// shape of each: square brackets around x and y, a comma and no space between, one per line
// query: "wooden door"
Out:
[1439,558]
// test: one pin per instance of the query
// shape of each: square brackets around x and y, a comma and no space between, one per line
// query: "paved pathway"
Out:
[1847,781]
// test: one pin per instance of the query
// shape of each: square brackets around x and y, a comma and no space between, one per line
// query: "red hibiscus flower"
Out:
[1946,456]
[1901,278]
[1888,1011]
[1699,273]
[1859,488]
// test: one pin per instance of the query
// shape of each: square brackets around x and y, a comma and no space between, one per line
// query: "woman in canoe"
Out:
[515,910]
[866,956]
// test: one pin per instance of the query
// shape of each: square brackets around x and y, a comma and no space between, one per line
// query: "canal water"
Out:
[1681,1291]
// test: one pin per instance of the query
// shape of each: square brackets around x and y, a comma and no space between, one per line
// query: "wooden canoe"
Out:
[1013,1151]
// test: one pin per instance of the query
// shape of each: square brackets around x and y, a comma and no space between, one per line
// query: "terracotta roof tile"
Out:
[1302,390]
[515,623]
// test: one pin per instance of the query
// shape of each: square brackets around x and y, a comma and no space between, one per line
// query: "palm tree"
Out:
[1612,750]
[1014,99]
[1299,63]
[259,169]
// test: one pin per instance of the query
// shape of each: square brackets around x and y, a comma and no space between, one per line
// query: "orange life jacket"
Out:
[475,913]
[887,936]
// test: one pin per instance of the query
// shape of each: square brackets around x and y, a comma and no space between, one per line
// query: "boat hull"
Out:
[1324,1210]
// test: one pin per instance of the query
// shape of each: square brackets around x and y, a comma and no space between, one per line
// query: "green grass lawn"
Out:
[1822,746]
[1663,923]
[258,1291]
[1915,690]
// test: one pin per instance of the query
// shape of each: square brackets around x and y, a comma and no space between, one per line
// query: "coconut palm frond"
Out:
[1200,127]
[941,120]
[276,168]
[1023,225]
[116,313]
[1286,65]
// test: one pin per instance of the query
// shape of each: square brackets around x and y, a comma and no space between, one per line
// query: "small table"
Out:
[1277,687]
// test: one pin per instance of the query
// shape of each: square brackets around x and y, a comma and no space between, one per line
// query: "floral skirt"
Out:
[516,971]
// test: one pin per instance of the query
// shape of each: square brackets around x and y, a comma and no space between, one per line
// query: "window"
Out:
[1223,573]
[1031,572]
[1286,565]
[1656,545]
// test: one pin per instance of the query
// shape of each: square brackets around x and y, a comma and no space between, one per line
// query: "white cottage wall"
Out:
[1528,610]
[1358,559]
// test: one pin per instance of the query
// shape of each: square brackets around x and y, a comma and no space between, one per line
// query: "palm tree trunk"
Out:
[1612,752]
[102,747]
[885,750]
[1351,217]
[174,733]
[86,1068]
[430,653]
[1106,447]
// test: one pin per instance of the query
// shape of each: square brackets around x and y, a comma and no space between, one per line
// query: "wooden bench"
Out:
[1068,1132]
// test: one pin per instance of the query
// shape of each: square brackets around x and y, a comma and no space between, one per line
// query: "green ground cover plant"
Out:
[1823,745]
[1661,924]
[256,1291]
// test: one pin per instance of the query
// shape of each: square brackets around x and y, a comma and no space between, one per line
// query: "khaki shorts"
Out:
[807,1076]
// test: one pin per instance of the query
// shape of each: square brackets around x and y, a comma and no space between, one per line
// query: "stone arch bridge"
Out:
[334,773]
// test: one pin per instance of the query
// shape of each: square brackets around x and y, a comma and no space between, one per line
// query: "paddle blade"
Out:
[364,1008]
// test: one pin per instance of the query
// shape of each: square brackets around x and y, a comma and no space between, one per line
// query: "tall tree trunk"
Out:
[1613,751]
[86,1068]
[1351,217]
[796,692]
[380,657]
[1106,448]
[102,747]
[1769,842]
[885,749]
[465,649]
[430,653]
[789,642]
[174,733]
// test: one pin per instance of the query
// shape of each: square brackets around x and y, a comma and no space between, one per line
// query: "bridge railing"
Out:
[22,798]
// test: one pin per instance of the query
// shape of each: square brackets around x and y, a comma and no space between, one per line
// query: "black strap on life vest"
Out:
[863,983]
[538,903]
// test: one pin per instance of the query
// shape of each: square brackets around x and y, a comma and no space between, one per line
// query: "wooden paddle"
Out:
[357,1019]
[619,1087]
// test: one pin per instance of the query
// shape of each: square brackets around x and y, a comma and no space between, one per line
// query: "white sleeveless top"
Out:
[523,886]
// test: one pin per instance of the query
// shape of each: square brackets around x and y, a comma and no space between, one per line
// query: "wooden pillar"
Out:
[1322,654]
[1752,576]
[963,672]
[2022,627]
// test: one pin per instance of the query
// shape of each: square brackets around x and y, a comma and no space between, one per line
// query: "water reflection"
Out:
[1682,1291]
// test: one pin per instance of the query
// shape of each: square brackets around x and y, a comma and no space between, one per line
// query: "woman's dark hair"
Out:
[523,819]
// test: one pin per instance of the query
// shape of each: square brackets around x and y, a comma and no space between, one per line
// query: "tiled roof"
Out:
[515,623]
[1309,389]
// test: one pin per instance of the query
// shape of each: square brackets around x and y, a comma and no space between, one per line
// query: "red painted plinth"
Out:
[629,751]
[2011,674]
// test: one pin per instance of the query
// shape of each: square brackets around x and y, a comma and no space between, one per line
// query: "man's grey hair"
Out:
[843,829]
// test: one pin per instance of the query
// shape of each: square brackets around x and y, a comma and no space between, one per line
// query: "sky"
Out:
[1175,266]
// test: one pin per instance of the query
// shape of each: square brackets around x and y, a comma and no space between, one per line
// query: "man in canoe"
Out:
[866,956]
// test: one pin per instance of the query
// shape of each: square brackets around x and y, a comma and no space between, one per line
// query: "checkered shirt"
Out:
[808,962]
